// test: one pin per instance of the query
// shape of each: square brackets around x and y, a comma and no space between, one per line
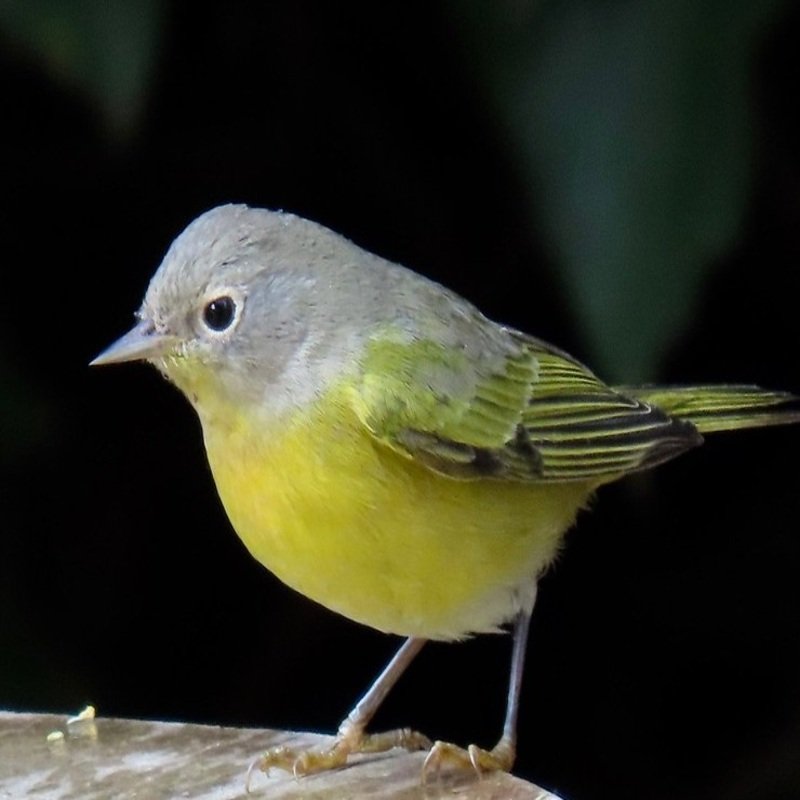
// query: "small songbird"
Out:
[386,449]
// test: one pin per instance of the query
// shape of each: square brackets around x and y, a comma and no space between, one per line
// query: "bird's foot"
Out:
[348,741]
[443,754]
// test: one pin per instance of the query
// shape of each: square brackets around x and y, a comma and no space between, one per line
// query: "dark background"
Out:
[619,178]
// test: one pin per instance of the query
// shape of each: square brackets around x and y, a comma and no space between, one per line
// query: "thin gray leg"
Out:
[365,708]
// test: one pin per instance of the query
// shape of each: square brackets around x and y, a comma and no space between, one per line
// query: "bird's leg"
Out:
[501,757]
[351,736]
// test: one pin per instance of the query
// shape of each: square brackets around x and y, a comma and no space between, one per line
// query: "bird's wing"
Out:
[526,412]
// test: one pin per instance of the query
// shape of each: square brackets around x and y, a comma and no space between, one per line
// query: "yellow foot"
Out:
[444,754]
[349,741]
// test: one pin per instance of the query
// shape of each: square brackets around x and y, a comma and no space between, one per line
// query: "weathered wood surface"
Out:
[43,758]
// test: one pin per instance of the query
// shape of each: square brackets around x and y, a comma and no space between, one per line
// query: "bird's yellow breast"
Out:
[375,536]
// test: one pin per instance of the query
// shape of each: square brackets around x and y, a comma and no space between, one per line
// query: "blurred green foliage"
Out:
[105,48]
[632,120]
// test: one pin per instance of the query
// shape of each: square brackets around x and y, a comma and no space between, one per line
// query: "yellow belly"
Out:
[376,537]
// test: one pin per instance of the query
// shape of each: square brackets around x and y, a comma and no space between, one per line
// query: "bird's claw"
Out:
[302,762]
[443,754]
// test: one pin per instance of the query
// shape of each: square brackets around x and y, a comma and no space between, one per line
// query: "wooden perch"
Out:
[43,755]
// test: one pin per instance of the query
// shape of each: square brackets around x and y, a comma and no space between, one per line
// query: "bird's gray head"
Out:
[241,297]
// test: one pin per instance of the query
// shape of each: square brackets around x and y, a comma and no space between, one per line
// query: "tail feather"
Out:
[720,407]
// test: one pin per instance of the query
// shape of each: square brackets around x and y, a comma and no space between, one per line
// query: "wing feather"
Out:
[526,411]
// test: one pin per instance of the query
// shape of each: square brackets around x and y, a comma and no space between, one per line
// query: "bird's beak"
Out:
[141,343]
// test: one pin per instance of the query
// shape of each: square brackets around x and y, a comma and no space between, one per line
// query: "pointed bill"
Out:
[141,343]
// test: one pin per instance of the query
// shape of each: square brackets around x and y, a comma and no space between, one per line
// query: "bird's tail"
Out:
[720,407]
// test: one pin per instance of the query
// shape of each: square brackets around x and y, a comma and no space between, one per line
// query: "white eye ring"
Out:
[221,311]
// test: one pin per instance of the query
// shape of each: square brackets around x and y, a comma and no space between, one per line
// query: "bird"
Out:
[390,452]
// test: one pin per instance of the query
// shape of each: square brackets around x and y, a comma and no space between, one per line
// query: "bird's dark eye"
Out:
[218,313]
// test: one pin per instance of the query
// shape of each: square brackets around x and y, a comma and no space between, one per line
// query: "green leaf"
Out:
[105,48]
[632,125]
